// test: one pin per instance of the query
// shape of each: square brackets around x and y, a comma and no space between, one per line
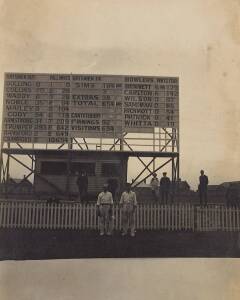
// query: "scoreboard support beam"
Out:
[154,171]
[144,169]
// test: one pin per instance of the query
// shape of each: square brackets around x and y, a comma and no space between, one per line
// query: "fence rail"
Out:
[40,215]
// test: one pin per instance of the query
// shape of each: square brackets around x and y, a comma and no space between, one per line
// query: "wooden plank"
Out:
[234,219]
[29,225]
[230,218]
[166,216]
[27,215]
[27,212]
[173,217]
[84,216]
[198,216]
[189,216]
[237,219]
[184,216]
[80,215]
[50,208]
[33,208]
[59,215]
[7,214]
[87,216]
[141,216]
[157,216]
[66,216]
[69,216]
[177,217]
[91,217]
[55,211]
[39,224]
[69,223]
[182,212]
[22,218]
[74,226]
[223,225]
[1,214]
[19,206]
[77,216]
[144,217]
[47,208]
[161,216]
[45,215]
[148,208]
[36,215]
[203,217]
[74,216]
[12,210]
[206,218]
[169,217]
[149,217]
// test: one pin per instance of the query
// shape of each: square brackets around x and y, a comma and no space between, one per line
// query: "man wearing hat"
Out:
[104,210]
[165,184]
[128,204]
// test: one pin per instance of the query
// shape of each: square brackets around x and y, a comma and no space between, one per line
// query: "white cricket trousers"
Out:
[128,218]
[106,223]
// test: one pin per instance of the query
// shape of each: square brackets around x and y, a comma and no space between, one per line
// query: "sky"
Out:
[198,41]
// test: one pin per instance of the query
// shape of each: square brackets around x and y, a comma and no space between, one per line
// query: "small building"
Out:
[231,192]
[226,185]
[183,186]
[56,172]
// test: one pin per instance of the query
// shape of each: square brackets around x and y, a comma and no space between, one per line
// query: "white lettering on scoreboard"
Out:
[51,108]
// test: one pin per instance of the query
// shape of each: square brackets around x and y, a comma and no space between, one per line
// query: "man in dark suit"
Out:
[165,184]
[82,183]
[202,188]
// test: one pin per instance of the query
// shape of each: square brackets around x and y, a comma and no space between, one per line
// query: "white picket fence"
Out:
[40,215]
[213,218]
[83,216]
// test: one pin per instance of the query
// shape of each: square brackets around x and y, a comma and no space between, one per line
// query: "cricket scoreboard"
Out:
[53,108]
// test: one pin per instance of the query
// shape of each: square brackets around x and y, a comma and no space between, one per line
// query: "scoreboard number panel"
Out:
[52,108]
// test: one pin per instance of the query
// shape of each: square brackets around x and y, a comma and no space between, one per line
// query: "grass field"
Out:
[59,244]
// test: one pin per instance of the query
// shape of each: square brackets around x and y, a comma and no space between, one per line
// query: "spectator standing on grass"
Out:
[105,211]
[202,188]
[154,186]
[82,183]
[165,184]
[128,205]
